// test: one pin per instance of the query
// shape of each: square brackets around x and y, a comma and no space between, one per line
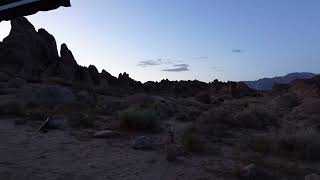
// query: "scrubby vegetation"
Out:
[192,142]
[79,120]
[140,120]
[302,145]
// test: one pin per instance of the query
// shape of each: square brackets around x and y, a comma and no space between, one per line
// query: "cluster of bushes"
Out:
[191,141]
[204,97]
[79,120]
[303,145]
[140,120]
[251,118]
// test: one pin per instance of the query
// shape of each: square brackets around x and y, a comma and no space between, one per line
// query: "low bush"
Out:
[12,107]
[191,141]
[303,145]
[204,97]
[140,120]
[255,118]
[79,120]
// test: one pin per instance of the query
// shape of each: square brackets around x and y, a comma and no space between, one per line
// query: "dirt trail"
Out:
[57,155]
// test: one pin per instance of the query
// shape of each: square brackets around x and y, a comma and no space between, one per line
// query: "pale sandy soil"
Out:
[58,155]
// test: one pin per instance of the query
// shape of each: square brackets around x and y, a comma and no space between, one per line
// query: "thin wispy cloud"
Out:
[200,58]
[154,62]
[217,69]
[178,68]
[237,50]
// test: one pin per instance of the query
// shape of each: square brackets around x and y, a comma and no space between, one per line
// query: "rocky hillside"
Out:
[267,83]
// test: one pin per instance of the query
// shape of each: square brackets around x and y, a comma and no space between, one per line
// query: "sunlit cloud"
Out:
[178,68]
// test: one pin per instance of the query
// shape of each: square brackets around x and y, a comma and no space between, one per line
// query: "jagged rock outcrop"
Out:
[33,55]
[107,79]
[94,73]
[125,81]
[26,52]
[67,57]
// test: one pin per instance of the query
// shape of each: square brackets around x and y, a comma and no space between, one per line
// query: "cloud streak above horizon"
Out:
[178,68]
[237,50]
[154,62]
[200,58]
[217,69]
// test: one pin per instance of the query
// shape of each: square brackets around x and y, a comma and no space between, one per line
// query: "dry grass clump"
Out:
[286,101]
[255,117]
[79,120]
[204,97]
[252,117]
[302,145]
[140,120]
[12,107]
[191,141]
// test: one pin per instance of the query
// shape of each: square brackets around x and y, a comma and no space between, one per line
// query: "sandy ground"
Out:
[58,155]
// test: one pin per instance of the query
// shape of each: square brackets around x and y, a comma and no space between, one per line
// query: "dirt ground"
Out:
[59,155]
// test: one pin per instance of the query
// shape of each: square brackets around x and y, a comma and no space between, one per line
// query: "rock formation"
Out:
[33,56]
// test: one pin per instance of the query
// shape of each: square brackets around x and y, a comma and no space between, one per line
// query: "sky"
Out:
[189,39]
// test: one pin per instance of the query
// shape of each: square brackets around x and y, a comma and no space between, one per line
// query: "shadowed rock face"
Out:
[32,54]
[26,52]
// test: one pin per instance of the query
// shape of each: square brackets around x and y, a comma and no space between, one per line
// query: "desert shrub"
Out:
[163,108]
[286,101]
[12,107]
[204,97]
[79,120]
[141,120]
[191,141]
[303,145]
[213,120]
[255,118]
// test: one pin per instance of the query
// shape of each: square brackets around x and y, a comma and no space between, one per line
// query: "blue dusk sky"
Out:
[189,39]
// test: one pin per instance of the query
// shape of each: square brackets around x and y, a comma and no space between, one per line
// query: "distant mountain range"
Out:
[267,83]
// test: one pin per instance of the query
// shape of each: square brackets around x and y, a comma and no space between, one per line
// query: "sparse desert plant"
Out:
[214,122]
[12,107]
[255,118]
[204,97]
[191,141]
[303,145]
[79,120]
[286,101]
[140,120]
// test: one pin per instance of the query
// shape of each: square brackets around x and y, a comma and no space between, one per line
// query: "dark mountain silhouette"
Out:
[267,83]
[33,56]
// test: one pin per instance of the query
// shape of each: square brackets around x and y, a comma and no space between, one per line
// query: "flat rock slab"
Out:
[143,143]
[106,134]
